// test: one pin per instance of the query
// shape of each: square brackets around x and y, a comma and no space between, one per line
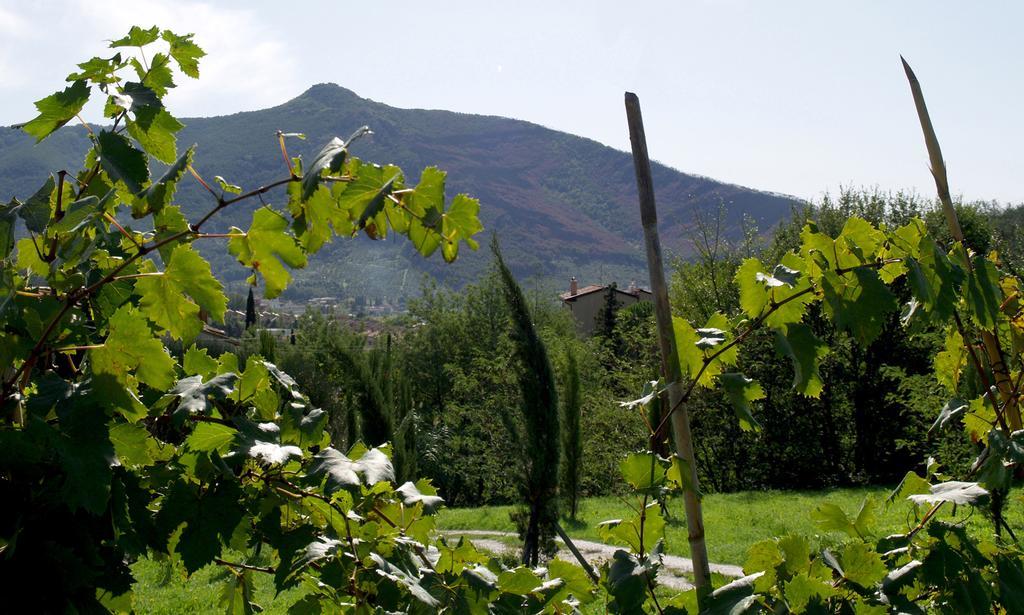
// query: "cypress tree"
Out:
[572,444]
[540,420]
[250,310]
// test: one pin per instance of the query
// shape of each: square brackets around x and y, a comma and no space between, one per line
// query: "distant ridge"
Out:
[561,204]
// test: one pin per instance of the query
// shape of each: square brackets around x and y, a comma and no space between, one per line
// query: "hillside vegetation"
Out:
[563,205]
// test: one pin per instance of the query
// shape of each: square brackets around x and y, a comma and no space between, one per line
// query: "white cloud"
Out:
[247,65]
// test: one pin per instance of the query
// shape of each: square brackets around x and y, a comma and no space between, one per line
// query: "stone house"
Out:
[586,303]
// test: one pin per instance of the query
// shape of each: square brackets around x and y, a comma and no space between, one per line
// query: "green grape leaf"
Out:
[330,158]
[798,342]
[265,247]
[195,395]
[213,517]
[790,299]
[137,37]
[428,196]
[225,187]
[956,492]
[754,294]
[343,473]
[401,578]
[802,591]
[982,294]
[364,197]
[315,217]
[158,76]
[132,443]
[795,553]
[420,493]
[57,109]
[169,221]
[137,98]
[691,359]
[912,484]
[628,531]
[121,161]
[185,52]
[1011,583]
[709,337]
[627,582]
[763,556]
[8,220]
[460,223]
[154,128]
[741,391]
[863,565]
[236,594]
[165,298]
[81,214]
[519,581]
[935,280]
[780,276]
[950,362]
[86,455]
[99,70]
[735,598]
[831,518]
[132,347]
[980,419]
[37,210]
[158,195]
[858,301]
[575,582]
[198,362]
[864,523]
[948,415]
[862,239]
[208,437]
[644,470]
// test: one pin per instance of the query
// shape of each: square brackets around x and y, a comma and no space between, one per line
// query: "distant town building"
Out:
[586,303]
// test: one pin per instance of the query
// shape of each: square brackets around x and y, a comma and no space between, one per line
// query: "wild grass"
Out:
[735,521]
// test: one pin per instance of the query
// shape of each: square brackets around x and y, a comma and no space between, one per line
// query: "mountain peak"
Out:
[329,93]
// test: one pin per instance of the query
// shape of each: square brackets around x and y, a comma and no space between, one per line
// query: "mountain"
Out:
[562,205]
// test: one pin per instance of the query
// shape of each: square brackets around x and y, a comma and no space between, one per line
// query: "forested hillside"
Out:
[563,205]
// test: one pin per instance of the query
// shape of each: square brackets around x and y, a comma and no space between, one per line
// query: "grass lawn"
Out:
[733,521]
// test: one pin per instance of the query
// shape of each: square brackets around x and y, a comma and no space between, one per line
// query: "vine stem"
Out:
[266,569]
[925,519]
[120,228]
[58,213]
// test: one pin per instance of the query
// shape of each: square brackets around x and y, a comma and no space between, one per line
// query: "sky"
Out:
[796,97]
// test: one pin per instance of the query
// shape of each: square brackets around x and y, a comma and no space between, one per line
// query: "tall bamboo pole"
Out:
[666,340]
[938,168]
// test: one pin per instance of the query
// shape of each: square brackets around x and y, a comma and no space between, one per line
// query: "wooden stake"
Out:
[938,168]
[666,340]
[576,552]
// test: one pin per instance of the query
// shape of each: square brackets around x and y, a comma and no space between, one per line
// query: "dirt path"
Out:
[675,572]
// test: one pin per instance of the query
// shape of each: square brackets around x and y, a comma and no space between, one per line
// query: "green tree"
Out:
[250,310]
[572,446]
[542,430]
